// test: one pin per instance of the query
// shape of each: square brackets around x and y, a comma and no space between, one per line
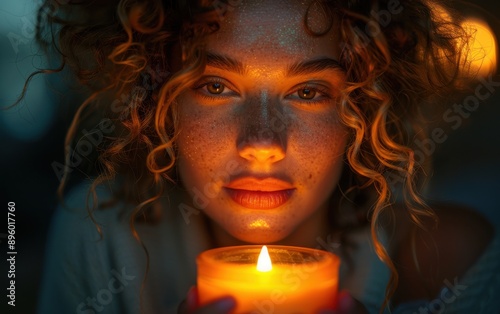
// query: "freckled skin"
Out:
[304,142]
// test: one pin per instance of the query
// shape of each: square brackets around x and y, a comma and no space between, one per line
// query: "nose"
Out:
[263,132]
[262,153]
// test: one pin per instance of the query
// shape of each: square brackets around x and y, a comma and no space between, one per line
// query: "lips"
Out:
[254,193]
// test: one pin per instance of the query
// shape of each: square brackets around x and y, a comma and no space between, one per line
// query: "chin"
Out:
[259,236]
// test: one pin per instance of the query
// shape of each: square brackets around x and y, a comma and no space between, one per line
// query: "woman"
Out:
[237,122]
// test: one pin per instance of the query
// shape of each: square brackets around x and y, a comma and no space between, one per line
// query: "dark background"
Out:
[32,137]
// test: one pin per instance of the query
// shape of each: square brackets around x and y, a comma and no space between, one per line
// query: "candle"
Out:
[288,279]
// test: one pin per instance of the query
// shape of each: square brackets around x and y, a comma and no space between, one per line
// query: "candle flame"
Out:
[264,263]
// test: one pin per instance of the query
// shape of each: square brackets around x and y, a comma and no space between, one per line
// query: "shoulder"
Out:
[77,261]
[74,220]
[425,260]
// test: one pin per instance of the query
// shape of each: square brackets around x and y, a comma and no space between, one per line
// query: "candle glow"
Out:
[298,280]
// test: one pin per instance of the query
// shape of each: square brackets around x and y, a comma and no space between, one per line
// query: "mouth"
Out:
[256,193]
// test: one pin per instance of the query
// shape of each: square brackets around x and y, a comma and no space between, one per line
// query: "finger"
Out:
[345,302]
[221,306]
[189,304]
[192,299]
[348,305]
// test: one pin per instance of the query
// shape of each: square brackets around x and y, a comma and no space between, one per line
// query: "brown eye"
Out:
[306,93]
[215,88]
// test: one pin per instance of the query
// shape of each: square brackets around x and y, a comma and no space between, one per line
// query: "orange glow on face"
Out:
[259,224]
[482,47]
[264,262]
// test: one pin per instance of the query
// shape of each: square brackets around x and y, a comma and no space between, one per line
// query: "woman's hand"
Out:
[220,306]
[346,304]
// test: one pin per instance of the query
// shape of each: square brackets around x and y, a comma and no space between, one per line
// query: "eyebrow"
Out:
[226,63]
[313,66]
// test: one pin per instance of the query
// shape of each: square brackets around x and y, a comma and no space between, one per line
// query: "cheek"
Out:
[204,141]
[320,144]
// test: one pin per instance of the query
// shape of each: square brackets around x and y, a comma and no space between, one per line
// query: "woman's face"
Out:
[261,146]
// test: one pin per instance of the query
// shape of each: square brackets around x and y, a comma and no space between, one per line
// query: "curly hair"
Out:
[400,58]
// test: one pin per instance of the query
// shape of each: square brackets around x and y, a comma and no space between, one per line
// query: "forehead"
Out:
[270,29]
